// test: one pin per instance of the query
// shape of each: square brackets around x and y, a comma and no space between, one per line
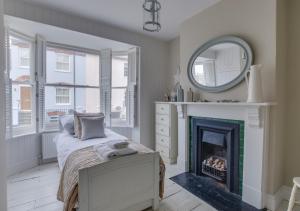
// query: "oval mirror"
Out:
[220,64]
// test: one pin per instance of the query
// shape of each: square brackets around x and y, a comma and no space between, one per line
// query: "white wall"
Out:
[174,60]
[2,123]
[154,57]
[292,141]
[23,153]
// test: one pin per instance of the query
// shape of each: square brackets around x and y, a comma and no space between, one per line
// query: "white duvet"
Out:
[66,144]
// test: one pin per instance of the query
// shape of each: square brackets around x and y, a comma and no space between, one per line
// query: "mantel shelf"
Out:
[224,103]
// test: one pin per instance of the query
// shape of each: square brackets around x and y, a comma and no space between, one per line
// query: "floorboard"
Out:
[35,190]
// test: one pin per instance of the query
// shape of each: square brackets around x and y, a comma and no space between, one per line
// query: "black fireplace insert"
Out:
[215,151]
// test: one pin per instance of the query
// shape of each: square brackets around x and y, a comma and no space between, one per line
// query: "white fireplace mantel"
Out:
[256,140]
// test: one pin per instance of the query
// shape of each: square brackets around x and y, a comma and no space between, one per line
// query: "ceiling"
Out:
[60,35]
[128,14]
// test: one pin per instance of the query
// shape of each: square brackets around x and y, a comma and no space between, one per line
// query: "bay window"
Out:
[46,80]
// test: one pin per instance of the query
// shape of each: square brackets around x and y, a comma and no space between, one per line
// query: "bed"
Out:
[129,183]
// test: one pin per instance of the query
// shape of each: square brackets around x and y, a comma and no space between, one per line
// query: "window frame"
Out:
[67,96]
[116,54]
[17,131]
[20,59]
[69,63]
[73,86]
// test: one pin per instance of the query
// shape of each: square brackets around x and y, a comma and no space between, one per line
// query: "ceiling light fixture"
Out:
[151,15]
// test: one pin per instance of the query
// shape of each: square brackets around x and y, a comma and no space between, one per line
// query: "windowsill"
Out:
[24,67]
[62,104]
[63,71]
[23,135]
[50,131]
[120,126]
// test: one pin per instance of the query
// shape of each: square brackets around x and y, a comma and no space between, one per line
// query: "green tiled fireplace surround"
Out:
[242,137]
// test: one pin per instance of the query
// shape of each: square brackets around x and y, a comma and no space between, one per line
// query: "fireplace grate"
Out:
[215,167]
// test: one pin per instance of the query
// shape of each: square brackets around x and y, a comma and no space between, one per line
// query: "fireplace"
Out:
[216,151]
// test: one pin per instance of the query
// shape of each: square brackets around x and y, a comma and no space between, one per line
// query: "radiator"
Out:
[48,146]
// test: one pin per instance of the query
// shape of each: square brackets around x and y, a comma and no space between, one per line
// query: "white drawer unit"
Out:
[166,131]
[163,109]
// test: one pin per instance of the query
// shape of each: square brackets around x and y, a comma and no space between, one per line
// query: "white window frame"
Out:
[23,130]
[62,96]
[115,56]
[69,86]
[20,57]
[69,62]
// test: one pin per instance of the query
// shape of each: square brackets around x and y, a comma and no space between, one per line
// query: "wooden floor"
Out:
[36,190]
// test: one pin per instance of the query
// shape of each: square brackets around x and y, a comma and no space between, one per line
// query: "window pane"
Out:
[20,59]
[59,66]
[118,107]
[63,62]
[76,69]
[87,100]
[87,69]
[198,73]
[54,106]
[120,71]
[22,118]
[63,96]
[21,90]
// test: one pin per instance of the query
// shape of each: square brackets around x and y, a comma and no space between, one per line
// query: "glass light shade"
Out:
[151,15]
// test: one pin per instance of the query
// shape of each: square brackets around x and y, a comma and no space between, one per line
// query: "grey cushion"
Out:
[92,127]
[77,123]
[66,123]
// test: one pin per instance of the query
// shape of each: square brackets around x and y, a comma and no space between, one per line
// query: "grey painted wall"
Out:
[2,123]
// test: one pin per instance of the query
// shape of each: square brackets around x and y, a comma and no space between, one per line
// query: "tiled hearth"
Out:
[212,193]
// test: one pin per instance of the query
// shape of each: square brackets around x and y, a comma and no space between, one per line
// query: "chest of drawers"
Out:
[166,131]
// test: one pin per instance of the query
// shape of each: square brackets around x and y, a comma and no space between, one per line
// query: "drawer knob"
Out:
[162,140]
[162,119]
[162,108]
[162,130]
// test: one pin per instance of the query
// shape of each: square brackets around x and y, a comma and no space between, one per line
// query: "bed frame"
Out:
[130,183]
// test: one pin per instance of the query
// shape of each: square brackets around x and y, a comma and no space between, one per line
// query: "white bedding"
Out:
[66,144]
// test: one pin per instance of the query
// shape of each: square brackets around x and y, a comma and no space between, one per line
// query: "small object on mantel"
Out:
[180,94]
[196,97]
[254,84]
[228,101]
[189,95]
[166,98]
[173,96]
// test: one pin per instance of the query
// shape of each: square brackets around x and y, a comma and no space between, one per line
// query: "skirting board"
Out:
[22,166]
[284,193]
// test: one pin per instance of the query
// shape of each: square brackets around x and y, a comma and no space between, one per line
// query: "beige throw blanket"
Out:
[84,158]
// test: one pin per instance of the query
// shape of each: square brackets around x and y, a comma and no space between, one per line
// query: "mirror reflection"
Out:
[219,64]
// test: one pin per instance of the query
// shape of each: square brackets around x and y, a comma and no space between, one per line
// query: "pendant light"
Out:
[151,15]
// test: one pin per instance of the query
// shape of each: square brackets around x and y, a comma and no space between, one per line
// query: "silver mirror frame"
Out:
[228,39]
